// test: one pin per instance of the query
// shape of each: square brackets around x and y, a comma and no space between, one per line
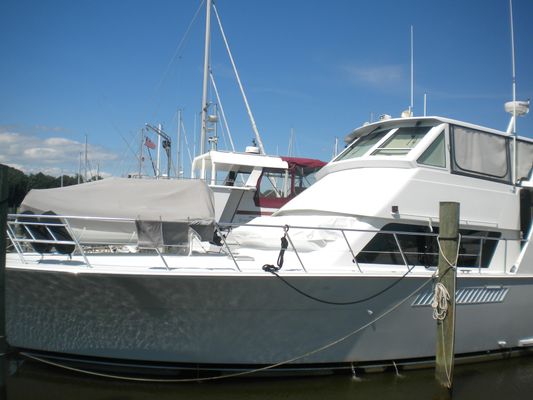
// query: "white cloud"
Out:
[53,156]
[379,76]
[8,138]
[57,141]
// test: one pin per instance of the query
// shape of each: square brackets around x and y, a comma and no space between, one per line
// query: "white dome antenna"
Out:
[518,108]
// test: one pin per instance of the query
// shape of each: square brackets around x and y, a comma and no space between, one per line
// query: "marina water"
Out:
[504,379]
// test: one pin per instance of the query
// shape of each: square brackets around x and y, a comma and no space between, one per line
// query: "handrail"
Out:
[17,241]
[236,225]
[81,246]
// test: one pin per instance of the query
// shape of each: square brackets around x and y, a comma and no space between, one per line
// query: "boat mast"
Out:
[514,91]
[248,109]
[85,167]
[412,75]
[203,133]
[158,160]
[79,169]
[178,147]
[141,153]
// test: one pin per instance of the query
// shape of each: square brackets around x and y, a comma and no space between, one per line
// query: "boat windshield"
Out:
[400,142]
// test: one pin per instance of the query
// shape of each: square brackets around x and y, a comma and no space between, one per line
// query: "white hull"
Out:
[242,319]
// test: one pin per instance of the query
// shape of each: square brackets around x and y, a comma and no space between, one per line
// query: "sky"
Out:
[313,70]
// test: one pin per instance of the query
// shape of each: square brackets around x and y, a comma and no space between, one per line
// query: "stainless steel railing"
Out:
[20,230]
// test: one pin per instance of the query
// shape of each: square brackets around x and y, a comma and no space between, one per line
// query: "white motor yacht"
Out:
[342,274]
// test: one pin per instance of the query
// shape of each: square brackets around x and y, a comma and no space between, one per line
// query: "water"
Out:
[507,379]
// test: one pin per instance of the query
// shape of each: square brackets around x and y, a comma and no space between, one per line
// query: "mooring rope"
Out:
[441,302]
[267,268]
[441,296]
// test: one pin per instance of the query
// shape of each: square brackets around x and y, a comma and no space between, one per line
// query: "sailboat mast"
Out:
[178,147]
[248,109]
[158,160]
[203,133]
[514,91]
[141,153]
[85,167]
[412,75]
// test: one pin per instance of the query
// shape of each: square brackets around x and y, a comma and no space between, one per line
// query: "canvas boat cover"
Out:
[163,210]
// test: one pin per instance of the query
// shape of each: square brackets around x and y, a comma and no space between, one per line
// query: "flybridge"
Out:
[461,148]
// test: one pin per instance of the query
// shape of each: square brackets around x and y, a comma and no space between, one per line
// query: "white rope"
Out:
[454,264]
[243,373]
[441,299]
[441,296]
[447,368]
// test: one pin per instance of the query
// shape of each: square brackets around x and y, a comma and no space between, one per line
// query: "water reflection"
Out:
[509,379]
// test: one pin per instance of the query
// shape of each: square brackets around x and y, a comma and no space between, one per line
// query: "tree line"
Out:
[19,184]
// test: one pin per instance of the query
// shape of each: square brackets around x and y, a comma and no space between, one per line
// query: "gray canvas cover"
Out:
[176,205]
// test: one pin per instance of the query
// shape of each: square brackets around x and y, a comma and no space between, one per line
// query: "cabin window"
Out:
[419,248]
[480,154]
[361,146]
[236,178]
[275,184]
[303,178]
[435,154]
[402,141]
[524,159]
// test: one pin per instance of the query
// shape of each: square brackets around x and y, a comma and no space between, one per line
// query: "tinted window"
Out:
[476,248]
[435,154]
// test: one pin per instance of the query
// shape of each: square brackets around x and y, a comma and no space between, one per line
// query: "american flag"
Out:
[148,143]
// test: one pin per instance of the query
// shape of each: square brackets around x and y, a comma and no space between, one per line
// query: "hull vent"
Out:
[471,295]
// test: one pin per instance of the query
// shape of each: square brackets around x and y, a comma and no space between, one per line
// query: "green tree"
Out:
[19,184]
[17,187]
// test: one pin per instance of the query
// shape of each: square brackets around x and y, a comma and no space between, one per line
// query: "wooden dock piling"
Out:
[3,222]
[449,242]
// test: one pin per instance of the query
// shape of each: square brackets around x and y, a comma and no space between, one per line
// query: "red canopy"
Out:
[303,162]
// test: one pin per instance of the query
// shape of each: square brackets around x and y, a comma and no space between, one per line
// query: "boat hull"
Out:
[248,319]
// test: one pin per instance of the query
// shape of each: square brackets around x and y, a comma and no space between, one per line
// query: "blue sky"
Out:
[104,68]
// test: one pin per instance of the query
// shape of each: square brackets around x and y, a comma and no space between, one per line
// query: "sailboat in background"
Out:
[244,185]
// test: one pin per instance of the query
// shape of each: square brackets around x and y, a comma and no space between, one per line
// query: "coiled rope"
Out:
[441,299]
[441,296]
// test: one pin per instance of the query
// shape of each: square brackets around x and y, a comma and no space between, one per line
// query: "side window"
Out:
[476,247]
[417,249]
[275,184]
[524,160]
[273,188]
[303,178]
[435,154]
[236,178]
[481,154]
